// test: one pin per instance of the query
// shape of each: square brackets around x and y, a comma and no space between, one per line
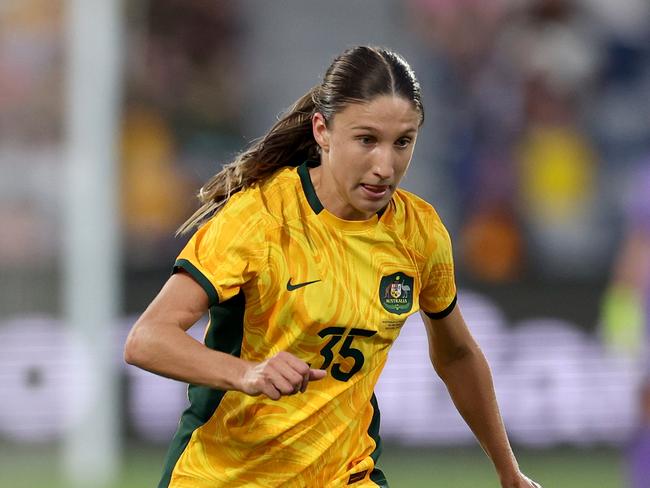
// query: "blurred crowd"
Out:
[180,117]
[541,110]
[545,110]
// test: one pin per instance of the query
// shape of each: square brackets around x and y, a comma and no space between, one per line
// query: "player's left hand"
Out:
[520,481]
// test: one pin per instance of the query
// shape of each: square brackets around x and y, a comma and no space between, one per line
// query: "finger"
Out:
[298,365]
[313,375]
[305,382]
[271,391]
[282,384]
[317,374]
[293,377]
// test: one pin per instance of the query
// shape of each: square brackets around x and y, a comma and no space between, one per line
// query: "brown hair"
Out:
[358,75]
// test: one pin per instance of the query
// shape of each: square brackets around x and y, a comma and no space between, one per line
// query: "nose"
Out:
[383,165]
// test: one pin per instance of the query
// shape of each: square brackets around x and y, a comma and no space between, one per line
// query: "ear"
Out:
[320,131]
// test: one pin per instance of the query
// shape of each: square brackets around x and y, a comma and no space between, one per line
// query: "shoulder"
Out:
[418,225]
[415,216]
[263,205]
[278,200]
[411,202]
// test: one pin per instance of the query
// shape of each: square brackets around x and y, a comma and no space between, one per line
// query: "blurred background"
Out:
[535,151]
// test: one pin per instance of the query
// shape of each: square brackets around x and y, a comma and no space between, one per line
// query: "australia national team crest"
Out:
[396,293]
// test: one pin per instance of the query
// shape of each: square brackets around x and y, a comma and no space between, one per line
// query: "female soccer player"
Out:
[309,259]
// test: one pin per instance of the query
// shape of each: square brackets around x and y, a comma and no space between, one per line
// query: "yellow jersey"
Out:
[284,274]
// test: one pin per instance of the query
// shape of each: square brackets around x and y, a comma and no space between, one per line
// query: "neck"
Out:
[325,186]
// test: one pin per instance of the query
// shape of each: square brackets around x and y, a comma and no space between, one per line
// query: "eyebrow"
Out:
[375,129]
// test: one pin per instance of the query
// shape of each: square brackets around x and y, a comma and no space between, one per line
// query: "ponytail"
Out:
[288,143]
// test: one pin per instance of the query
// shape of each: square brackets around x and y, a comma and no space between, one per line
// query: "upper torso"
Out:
[335,294]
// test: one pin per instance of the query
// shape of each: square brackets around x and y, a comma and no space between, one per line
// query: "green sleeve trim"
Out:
[378,477]
[373,431]
[200,278]
[444,313]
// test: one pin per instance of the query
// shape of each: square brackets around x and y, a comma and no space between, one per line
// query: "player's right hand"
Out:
[282,374]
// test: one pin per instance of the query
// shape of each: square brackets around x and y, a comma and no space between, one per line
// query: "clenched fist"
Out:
[282,374]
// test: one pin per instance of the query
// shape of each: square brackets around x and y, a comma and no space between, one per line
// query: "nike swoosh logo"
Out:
[291,287]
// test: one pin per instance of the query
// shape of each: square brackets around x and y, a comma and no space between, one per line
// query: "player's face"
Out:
[365,152]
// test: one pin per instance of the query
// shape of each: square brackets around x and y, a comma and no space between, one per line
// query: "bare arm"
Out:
[460,363]
[158,342]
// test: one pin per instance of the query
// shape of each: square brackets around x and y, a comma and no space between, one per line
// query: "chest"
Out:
[318,282]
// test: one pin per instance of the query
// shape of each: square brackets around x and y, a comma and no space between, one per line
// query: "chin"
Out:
[370,210]
[367,208]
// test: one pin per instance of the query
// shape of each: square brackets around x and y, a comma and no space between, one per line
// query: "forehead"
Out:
[385,112]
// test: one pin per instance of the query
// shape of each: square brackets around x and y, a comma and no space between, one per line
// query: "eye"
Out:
[403,142]
[366,140]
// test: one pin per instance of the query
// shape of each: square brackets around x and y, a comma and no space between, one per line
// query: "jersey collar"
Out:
[308,186]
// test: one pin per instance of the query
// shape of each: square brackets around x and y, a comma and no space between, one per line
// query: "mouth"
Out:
[375,192]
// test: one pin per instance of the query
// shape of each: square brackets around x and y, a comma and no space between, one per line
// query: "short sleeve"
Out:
[223,255]
[438,293]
